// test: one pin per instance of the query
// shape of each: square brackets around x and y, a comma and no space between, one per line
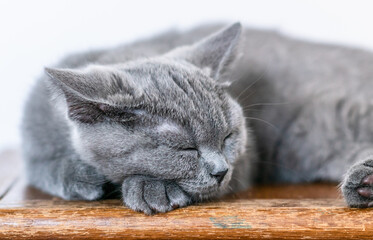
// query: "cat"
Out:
[189,116]
[154,121]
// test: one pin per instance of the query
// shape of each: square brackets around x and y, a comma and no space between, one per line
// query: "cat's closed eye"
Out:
[190,151]
[228,145]
[227,137]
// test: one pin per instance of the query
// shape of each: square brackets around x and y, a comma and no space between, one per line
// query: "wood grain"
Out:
[249,219]
[287,191]
[312,211]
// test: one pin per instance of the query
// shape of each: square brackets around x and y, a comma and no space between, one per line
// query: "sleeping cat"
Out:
[164,120]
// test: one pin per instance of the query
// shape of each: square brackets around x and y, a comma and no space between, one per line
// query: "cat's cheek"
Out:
[230,151]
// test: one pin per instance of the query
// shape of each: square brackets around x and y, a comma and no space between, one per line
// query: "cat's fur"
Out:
[155,118]
[160,125]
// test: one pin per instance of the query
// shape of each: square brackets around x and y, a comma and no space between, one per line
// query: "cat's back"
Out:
[304,100]
[296,64]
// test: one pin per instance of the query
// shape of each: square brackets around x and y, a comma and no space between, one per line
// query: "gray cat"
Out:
[158,120]
[158,124]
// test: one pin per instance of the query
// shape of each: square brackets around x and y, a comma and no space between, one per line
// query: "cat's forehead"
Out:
[166,76]
[161,69]
[184,95]
[168,127]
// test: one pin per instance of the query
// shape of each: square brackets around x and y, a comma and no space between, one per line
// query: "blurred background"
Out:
[36,33]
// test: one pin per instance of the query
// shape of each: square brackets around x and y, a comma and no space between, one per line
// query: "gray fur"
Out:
[311,111]
[163,126]
[133,116]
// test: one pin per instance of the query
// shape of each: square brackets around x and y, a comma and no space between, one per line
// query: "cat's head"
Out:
[167,117]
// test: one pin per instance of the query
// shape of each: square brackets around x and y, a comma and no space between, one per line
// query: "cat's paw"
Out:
[152,196]
[357,186]
[82,182]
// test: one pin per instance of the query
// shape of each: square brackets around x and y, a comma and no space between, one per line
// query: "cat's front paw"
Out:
[357,186]
[152,196]
[82,182]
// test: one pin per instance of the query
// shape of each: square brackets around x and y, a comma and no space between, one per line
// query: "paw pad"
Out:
[357,187]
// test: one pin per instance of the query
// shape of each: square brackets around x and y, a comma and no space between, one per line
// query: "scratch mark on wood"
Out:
[230,222]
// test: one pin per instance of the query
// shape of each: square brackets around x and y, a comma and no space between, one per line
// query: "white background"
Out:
[36,33]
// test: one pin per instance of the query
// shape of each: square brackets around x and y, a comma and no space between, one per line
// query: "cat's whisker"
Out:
[113,192]
[251,85]
[249,95]
[236,79]
[252,110]
[232,192]
[264,121]
[247,88]
[240,181]
[264,104]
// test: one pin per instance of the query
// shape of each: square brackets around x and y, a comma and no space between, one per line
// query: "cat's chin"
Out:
[208,194]
[203,192]
[205,188]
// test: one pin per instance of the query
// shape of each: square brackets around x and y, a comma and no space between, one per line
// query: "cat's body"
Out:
[317,99]
[308,106]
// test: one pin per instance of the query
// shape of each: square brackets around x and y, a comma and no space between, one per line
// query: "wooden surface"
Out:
[272,212]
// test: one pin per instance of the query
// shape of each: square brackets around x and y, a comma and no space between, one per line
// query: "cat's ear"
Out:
[88,94]
[213,53]
[70,81]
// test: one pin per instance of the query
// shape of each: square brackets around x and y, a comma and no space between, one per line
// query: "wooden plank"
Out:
[9,171]
[293,191]
[27,213]
[229,219]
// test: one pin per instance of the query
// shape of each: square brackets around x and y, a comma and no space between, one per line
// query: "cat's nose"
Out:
[219,175]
